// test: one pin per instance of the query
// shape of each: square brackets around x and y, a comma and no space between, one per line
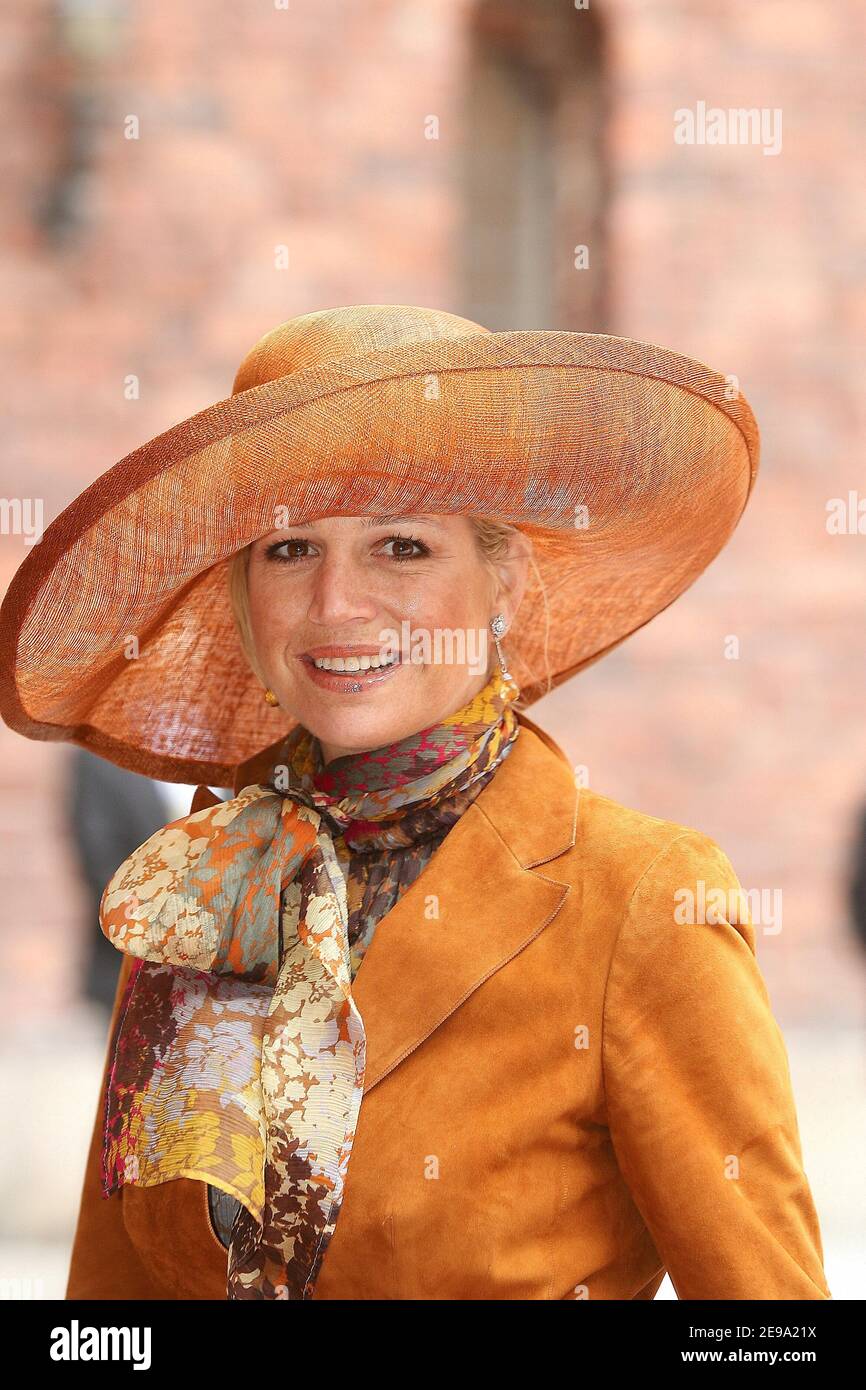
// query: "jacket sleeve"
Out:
[104,1262]
[698,1088]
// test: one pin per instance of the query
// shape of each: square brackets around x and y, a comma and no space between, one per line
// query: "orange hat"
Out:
[627,464]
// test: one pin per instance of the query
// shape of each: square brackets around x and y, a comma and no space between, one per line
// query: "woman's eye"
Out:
[273,550]
[407,541]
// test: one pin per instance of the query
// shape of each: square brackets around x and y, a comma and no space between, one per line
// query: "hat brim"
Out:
[628,464]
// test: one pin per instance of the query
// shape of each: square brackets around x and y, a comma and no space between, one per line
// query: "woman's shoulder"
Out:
[604,817]
[608,826]
[636,849]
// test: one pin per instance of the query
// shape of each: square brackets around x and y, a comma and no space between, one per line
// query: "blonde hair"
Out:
[492,537]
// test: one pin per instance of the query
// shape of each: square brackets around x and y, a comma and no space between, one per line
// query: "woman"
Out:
[411,1015]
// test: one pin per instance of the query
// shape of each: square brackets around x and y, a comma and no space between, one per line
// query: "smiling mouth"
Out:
[350,670]
[345,664]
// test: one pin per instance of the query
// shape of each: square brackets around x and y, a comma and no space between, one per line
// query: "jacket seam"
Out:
[557,854]
[625,916]
[495,828]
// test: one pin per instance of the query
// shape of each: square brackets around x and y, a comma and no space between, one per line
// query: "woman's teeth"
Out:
[352,663]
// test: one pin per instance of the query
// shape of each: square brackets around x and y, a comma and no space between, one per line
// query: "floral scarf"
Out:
[239,1052]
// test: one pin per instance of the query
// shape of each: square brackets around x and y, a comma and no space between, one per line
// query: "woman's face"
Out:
[413,590]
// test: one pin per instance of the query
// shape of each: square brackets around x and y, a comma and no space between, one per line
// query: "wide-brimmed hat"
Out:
[627,464]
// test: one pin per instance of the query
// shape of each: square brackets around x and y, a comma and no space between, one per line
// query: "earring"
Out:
[271,698]
[497,627]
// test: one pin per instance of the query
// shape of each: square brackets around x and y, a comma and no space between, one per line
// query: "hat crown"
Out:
[330,335]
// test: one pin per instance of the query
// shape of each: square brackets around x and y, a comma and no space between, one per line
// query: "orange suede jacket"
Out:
[569,1090]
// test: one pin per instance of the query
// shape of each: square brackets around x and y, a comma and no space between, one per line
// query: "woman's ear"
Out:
[511,576]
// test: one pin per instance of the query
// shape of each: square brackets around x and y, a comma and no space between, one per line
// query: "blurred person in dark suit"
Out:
[110,813]
[857,883]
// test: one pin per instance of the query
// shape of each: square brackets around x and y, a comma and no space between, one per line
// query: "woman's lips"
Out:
[348,682]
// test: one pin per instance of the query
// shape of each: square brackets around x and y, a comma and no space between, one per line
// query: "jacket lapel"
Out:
[477,903]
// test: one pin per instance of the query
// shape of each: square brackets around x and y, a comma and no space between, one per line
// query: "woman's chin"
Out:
[367,723]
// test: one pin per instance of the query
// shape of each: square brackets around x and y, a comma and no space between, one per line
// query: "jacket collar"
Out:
[477,903]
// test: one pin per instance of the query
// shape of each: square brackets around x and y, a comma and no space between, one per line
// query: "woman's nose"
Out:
[339,594]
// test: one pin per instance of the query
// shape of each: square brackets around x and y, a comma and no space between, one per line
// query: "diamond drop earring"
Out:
[497,627]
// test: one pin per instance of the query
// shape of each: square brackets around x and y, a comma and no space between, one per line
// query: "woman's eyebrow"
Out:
[377,520]
[401,516]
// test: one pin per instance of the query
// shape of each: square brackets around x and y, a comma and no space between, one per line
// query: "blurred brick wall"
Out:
[303,129]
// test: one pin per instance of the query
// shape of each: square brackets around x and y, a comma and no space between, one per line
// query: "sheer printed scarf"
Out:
[239,1053]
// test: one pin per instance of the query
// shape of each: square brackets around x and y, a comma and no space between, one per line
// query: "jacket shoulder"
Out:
[625,844]
[602,815]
